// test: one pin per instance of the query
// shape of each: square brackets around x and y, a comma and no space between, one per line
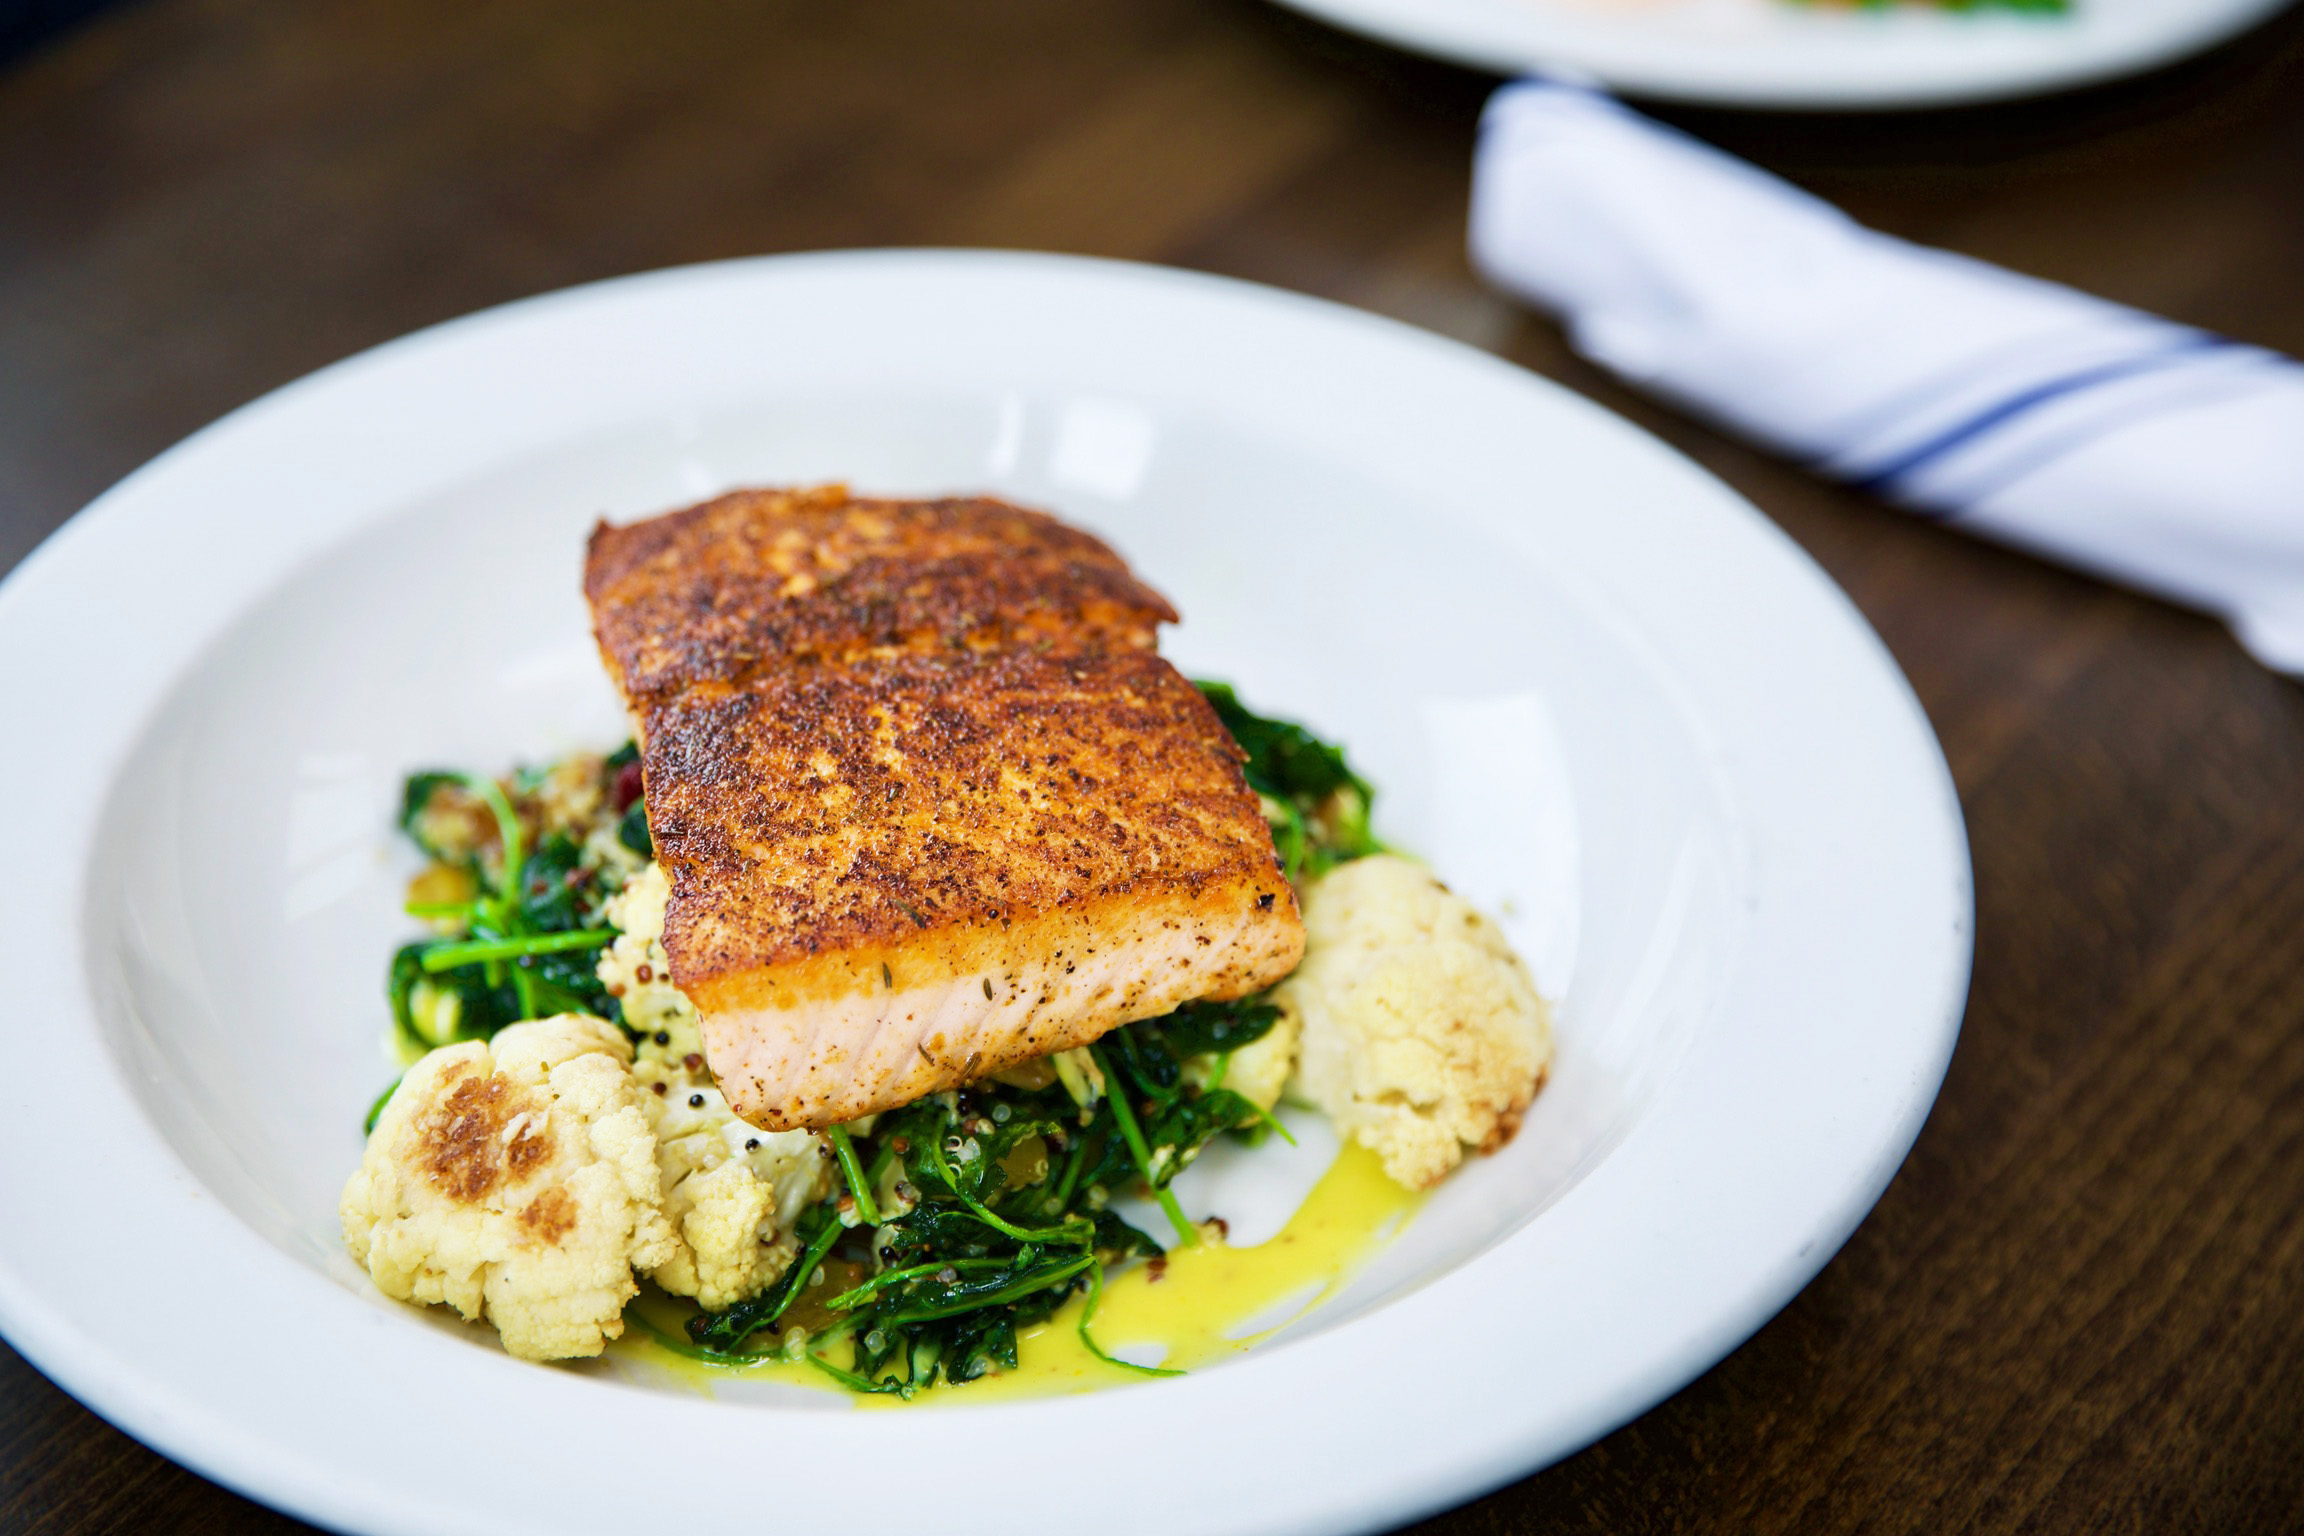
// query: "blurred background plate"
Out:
[1788,54]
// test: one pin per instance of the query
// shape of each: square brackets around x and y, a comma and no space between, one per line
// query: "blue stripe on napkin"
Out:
[2001,412]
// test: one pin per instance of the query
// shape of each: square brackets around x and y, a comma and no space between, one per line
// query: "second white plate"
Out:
[1820,54]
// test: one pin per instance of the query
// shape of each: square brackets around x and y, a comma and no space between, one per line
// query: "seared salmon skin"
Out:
[930,802]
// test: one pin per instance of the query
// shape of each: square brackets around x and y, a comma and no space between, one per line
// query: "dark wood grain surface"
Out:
[2079,1308]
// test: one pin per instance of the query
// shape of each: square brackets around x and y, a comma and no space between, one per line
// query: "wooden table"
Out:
[2080,1307]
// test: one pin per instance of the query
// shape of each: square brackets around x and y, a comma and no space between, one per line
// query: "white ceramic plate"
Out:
[1600,692]
[1820,54]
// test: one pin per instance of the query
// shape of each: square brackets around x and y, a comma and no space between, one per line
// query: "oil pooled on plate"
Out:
[1198,1306]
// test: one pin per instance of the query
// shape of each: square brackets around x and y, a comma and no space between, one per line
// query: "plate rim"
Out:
[1757,74]
[102,1374]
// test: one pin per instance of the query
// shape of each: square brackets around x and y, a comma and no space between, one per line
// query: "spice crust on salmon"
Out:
[930,802]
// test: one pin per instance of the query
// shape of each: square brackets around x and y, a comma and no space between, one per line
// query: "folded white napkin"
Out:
[2148,452]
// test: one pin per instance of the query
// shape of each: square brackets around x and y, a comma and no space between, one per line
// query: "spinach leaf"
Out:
[552,886]
[1317,806]
[1283,757]
[1197,1029]
[632,830]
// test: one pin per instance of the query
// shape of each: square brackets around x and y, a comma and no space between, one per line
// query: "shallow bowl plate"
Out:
[1821,54]
[1600,693]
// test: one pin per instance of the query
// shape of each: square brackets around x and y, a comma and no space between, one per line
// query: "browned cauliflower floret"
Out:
[1421,1033]
[516,1180]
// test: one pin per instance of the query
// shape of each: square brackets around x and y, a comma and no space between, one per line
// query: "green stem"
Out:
[1266,1117]
[1116,1094]
[801,1271]
[882,1156]
[728,1359]
[507,832]
[1074,1233]
[1088,1315]
[1068,1235]
[724,1331]
[846,1301]
[524,987]
[847,1378]
[1072,1164]
[854,1382]
[438,909]
[854,1172]
[446,957]
[1038,1280]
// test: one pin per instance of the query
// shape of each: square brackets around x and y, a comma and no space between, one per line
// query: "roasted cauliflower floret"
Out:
[516,1180]
[731,1190]
[1422,1034]
[638,974]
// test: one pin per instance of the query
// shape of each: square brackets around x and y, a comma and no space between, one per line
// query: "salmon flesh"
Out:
[930,802]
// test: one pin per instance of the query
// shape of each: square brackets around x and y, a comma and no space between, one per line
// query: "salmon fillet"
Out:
[929,801]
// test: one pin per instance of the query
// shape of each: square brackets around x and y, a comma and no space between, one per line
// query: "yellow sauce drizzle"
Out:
[1208,1303]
